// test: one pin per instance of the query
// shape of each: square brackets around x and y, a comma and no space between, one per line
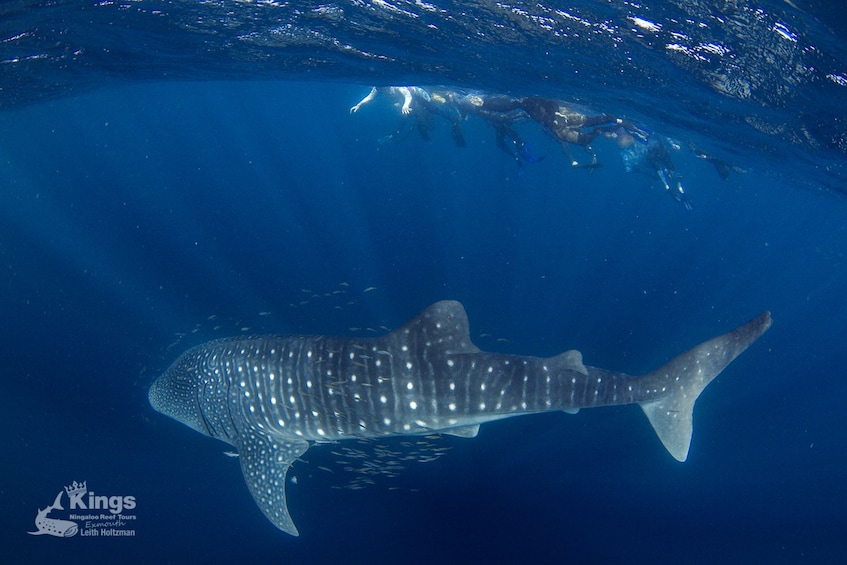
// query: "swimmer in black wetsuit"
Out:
[567,125]
[500,112]
[722,167]
[655,159]
[660,160]
[559,120]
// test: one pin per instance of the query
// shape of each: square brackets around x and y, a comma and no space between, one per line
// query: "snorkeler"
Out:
[403,91]
[722,167]
[559,120]
[500,112]
[410,96]
[659,158]
[419,105]
[510,142]
[655,157]
[567,125]
[441,104]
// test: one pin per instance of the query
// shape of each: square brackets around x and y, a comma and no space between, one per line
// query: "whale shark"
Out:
[273,396]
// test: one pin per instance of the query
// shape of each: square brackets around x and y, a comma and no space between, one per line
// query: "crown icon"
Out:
[76,489]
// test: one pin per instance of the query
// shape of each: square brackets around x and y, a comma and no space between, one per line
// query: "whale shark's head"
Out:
[175,394]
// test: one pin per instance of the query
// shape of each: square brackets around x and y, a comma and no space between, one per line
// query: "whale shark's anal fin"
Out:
[264,462]
[686,376]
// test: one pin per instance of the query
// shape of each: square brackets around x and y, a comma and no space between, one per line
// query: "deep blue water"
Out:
[142,217]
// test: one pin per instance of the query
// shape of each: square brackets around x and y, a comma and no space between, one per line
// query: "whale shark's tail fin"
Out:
[685,377]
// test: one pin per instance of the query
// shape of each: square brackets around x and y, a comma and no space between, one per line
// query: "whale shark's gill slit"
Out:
[211,430]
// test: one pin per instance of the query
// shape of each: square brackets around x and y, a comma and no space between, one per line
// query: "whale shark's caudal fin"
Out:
[686,376]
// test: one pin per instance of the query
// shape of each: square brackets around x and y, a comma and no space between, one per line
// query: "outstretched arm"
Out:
[371,95]
[407,100]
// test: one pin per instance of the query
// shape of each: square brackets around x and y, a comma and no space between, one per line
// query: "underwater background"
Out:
[195,173]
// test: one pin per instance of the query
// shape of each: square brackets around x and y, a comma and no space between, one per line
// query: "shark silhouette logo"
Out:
[55,526]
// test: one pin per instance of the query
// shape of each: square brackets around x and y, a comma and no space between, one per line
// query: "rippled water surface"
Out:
[769,76]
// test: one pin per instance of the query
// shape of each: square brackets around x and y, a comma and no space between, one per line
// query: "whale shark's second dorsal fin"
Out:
[571,360]
[444,325]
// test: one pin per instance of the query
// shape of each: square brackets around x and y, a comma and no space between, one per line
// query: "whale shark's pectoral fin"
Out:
[264,462]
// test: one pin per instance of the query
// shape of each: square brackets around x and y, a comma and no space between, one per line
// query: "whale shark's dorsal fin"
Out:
[444,324]
[57,504]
